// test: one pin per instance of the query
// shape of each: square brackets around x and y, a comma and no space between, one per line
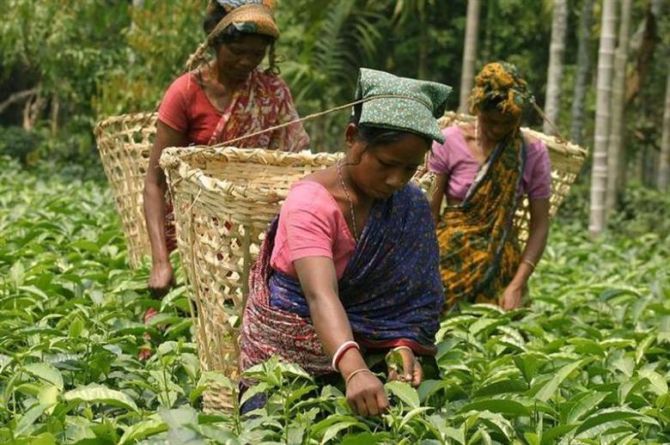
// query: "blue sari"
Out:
[390,290]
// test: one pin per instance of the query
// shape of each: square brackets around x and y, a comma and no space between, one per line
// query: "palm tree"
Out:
[664,161]
[469,53]
[583,71]
[597,217]
[328,42]
[555,70]
[614,152]
[417,11]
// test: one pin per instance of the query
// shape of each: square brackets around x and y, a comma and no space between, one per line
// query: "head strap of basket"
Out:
[400,103]
[241,16]
[501,84]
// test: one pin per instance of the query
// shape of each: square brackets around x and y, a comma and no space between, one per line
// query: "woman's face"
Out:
[235,60]
[496,125]
[384,169]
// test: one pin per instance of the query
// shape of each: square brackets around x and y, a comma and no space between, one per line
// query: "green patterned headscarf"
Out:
[400,103]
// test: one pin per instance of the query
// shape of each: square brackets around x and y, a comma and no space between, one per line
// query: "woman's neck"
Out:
[358,196]
[483,143]
[220,78]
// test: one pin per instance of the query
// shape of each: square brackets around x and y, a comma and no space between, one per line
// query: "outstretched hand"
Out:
[366,394]
[511,298]
[403,366]
[161,279]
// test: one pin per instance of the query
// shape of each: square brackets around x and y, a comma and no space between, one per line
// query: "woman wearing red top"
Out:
[220,101]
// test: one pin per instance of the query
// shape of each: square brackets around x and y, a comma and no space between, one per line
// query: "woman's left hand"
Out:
[411,371]
[511,298]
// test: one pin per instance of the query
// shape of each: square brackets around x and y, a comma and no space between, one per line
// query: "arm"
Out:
[537,240]
[438,196]
[155,186]
[318,279]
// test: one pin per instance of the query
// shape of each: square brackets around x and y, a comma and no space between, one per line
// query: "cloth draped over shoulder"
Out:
[479,250]
[263,101]
[390,291]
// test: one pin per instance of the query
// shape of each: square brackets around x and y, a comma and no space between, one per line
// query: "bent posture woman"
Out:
[218,102]
[483,170]
[350,266]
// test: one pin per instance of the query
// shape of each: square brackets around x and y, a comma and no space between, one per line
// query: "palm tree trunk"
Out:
[552,105]
[583,71]
[469,53]
[663,180]
[597,218]
[615,154]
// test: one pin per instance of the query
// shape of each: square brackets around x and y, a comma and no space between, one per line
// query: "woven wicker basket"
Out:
[224,199]
[124,143]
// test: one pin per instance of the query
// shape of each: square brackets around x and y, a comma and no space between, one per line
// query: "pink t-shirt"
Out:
[454,158]
[186,109]
[311,224]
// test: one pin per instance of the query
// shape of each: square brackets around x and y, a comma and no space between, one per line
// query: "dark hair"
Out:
[216,13]
[372,135]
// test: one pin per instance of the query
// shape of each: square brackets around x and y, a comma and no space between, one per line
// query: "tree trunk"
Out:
[583,71]
[663,180]
[55,114]
[615,154]
[552,104]
[597,218]
[645,48]
[469,53]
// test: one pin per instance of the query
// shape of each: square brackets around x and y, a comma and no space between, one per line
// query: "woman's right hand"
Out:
[161,279]
[366,395]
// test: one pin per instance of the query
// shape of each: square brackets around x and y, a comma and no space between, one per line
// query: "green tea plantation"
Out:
[587,362]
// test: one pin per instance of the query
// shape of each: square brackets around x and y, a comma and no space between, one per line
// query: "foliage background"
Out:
[94,58]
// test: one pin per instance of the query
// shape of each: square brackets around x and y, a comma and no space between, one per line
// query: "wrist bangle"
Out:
[529,262]
[353,373]
[399,348]
[343,348]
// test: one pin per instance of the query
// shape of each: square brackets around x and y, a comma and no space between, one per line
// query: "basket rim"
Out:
[121,118]
[174,161]
[553,143]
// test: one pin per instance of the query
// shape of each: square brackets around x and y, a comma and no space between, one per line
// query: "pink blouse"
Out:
[311,224]
[455,159]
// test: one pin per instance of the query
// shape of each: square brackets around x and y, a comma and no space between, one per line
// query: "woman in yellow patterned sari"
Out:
[484,169]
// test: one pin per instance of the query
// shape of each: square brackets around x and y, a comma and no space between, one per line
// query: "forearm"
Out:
[437,196]
[537,241]
[332,326]
[154,213]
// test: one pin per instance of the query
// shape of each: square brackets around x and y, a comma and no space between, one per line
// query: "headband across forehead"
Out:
[247,16]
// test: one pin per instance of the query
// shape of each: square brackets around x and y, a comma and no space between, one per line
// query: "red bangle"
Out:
[341,351]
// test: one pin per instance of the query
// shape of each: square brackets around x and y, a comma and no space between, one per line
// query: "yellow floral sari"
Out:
[479,249]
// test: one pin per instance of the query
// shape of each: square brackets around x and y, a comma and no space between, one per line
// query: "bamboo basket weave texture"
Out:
[124,143]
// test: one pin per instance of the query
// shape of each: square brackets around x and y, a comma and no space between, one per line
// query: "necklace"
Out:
[354,226]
